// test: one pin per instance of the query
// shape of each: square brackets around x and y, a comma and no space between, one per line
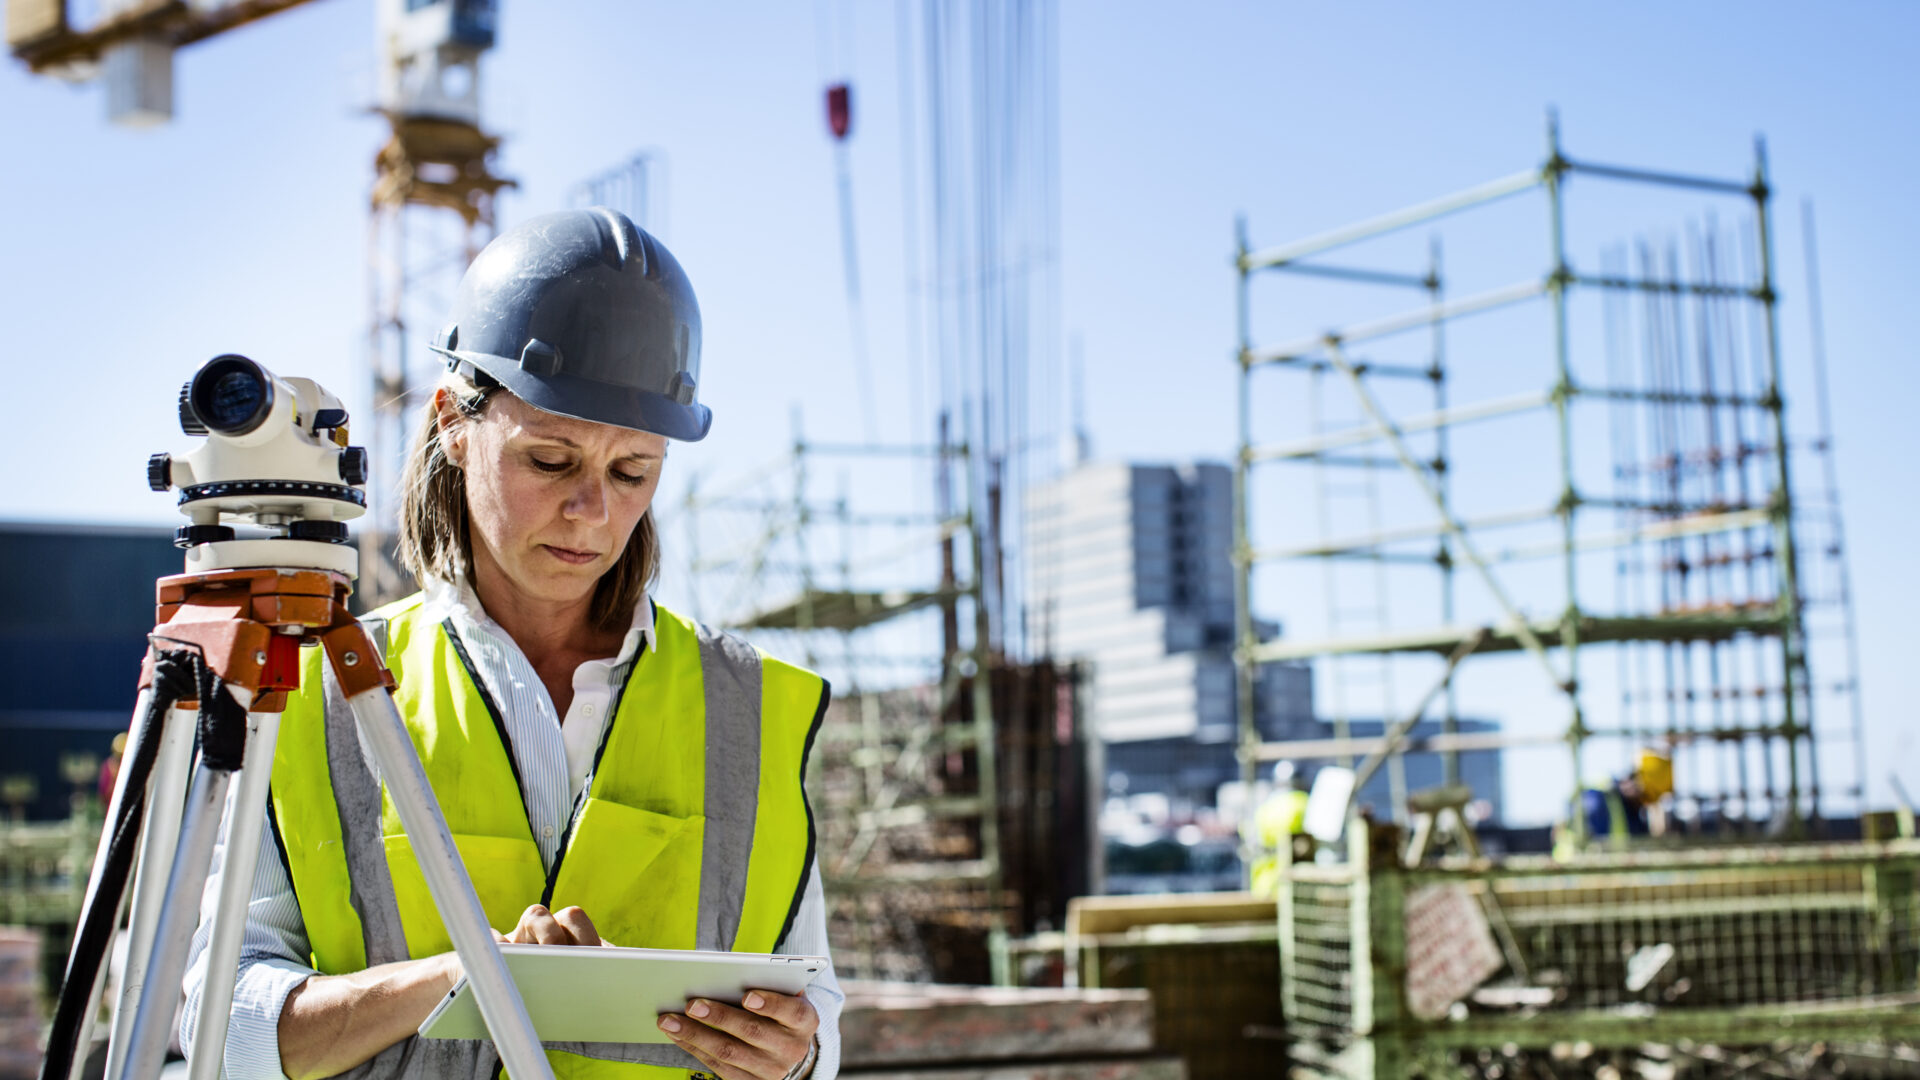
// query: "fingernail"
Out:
[754,1001]
[698,1008]
[669,1023]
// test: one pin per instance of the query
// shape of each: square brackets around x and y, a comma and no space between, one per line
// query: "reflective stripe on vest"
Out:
[693,831]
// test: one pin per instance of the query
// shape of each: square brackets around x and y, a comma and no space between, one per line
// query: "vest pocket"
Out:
[635,873]
[506,872]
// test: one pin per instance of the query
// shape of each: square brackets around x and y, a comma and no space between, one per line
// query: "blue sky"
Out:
[129,256]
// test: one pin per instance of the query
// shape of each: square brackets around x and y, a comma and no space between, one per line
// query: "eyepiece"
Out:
[231,395]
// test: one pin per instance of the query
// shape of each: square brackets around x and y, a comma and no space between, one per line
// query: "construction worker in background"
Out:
[611,771]
[1281,820]
[1621,809]
[110,769]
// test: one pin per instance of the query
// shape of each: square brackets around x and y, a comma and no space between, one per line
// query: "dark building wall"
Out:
[76,603]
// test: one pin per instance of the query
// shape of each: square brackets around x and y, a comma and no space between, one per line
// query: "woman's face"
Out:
[552,500]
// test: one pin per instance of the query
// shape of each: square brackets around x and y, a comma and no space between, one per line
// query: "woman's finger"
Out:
[790,1010]
[718,1068]
[578,925]
[538,927]
[724,1054]
[759,1033]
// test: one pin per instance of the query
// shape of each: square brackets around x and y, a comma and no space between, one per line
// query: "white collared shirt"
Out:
[509,679]
[553,758]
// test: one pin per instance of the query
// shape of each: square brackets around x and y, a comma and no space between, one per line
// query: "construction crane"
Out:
[434,185]
[130,47]
[432,211]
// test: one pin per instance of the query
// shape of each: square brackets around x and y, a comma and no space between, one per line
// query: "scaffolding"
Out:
[922,774]
[1709,620]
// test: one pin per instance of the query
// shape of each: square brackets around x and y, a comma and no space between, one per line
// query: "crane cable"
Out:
[839,101]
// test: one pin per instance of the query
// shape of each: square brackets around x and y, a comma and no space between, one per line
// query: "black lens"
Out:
[236,397]
[232,395]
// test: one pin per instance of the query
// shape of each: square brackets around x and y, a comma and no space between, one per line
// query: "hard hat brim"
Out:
[588,399]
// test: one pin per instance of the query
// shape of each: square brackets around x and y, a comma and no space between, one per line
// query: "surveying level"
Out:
[224,655]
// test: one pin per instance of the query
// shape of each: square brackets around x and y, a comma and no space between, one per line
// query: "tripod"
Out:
[227,645]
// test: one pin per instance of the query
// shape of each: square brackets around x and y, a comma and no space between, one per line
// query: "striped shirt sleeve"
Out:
[808,937]
[273,960]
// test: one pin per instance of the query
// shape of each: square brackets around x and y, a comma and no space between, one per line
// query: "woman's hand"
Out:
[568,926]
[763,1041]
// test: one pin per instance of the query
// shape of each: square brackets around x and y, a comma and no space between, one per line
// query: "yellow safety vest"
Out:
[694,830]
[1278,820]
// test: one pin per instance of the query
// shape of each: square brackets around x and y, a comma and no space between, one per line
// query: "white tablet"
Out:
[585,994]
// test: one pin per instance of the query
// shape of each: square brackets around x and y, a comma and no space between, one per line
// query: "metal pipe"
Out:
[1652,176]
[1553,174]
[1717,625]
[1669,506]
[1400,535]
[1386,223]
[1670,397]
[1353,273]
[1520,628]
[1360,436]
[1729,733]
[1611,281]
[1244,641]
[1658,530]
[1462,742]
[1793,666]
[1443,556]
[1490,300]
[1390,742]
[1365,367]
[1355,461]
[447,882]
[243,831]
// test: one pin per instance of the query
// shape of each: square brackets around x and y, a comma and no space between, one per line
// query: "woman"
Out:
[612,773]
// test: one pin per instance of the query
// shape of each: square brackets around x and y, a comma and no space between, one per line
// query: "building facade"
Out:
[1132,573]
[76,603]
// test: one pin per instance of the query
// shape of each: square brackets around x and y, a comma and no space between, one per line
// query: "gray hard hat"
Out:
[584,314]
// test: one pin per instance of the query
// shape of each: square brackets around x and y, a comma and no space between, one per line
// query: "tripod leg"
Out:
[115,805]
[173,933]
[236,888]
[459,906]
[159,835]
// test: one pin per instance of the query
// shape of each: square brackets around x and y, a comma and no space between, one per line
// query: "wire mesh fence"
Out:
[1706,962]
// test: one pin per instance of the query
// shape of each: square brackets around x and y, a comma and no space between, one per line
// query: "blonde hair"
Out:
[435,538]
